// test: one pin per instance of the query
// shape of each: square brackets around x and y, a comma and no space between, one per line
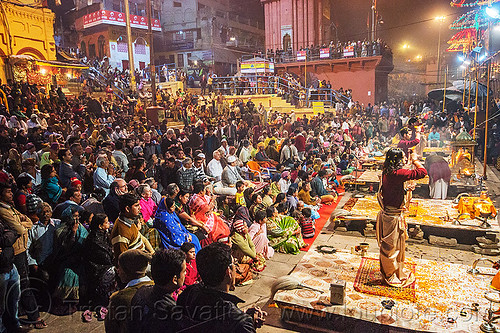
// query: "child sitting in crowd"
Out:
[307,223]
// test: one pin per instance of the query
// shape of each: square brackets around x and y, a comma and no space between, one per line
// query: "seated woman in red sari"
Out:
[201,206]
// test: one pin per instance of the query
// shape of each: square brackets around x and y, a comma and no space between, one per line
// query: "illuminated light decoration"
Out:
[474,19]
[492,12]
[462,41]
[471,3]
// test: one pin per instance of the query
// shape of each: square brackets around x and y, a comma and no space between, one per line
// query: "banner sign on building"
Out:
[324,53]
[117,18]
[257,67]
[301,55]
[318,107]
[349,51]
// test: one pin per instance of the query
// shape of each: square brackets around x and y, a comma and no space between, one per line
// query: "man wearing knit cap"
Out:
[131,269]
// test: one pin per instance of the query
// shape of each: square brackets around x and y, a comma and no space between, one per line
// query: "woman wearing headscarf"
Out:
[94,137]
[50,190]
[201,206]
[13,122]
[66,257]
[50,157]
[391,226]
[192,225]
[262,158]
[172,233]
[242,213]
[244,248]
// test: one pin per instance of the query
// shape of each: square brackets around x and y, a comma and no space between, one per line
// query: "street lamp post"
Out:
[441,19]
[374,19]
[152,68]
[129,45]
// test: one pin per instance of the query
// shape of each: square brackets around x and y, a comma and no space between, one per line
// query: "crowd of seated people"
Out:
[108,209]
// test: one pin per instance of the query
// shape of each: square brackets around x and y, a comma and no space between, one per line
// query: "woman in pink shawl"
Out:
[258,233]
[148,206]
[201,206]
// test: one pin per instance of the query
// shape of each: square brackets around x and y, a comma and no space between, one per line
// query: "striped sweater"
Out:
[125,236]
[308,229]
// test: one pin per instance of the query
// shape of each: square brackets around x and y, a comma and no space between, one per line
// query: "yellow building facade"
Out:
[25,30]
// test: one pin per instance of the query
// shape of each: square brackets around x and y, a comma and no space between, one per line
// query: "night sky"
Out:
[398,17]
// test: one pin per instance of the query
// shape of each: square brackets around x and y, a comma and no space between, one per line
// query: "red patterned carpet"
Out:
[369,281]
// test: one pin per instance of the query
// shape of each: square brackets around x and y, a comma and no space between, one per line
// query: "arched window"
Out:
[287,41]
[140,46]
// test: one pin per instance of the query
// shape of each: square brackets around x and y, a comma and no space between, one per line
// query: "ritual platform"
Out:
[443,151]
[444,297]
[435,217]
[368,181]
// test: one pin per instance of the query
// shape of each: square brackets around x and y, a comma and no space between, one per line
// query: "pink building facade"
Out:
[366,76]
[296,23]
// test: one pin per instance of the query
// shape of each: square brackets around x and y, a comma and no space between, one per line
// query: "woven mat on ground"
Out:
[369,281]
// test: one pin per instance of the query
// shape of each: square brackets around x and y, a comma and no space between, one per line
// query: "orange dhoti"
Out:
[391,237]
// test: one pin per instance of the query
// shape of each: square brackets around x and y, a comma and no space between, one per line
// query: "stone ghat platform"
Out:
[444,292]
[435,217]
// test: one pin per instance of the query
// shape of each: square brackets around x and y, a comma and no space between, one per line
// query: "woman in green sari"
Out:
[284,232]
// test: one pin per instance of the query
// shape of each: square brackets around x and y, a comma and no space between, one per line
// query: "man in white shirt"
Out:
[214,167]
[30,152]
[246,152]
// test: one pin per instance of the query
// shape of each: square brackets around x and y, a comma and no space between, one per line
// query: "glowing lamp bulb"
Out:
[492,12]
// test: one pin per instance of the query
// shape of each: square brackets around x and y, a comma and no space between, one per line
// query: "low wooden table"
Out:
[435,217]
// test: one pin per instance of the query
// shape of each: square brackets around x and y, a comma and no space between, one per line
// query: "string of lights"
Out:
[470,4]
[472,19]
